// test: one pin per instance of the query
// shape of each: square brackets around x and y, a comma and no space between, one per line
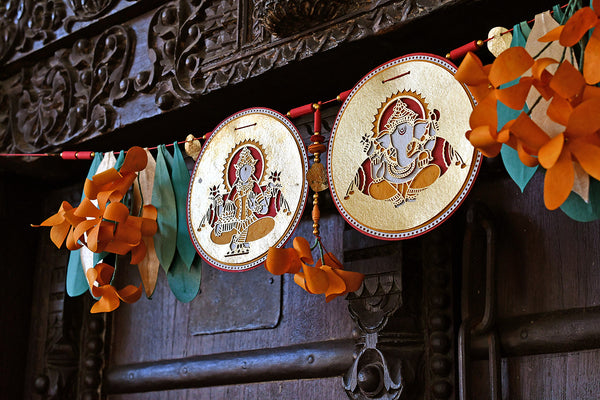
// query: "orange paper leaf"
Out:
[591,61]
[549,153]
[135,160]
[509,65]
[585,118]
[567,81]
[582,21]
[588,156]
[303,248]
[281,261]
[528,132]
[553,35]
[559,181]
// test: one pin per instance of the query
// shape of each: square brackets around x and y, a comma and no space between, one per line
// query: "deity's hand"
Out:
[424,158]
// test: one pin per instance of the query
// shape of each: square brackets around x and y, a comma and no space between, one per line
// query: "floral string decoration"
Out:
[102,223]
[565,138]
[326,275]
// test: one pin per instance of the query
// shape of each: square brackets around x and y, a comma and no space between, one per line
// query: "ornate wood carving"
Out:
[71,96]
[193,47]
[25,24]
[374,375]
[286,17]
[86,10]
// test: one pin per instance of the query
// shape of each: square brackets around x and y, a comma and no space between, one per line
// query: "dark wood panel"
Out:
[545,260]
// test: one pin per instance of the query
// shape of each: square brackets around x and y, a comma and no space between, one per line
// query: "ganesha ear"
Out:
[435,114]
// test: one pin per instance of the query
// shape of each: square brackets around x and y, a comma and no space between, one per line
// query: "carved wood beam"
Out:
[95,70]
[72,71]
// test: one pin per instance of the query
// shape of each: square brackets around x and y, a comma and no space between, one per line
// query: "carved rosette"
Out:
[71,96]
[175,46]
[286,17]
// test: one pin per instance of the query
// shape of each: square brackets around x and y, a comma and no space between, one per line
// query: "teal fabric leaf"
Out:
[184,283]
[519,172]
[163,198]
[522,34]
[576,208]
[558,14]
[180,179]
[120,160]
[76,281]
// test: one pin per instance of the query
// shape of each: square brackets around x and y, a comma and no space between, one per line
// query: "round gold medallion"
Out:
[398,160]
[248,189]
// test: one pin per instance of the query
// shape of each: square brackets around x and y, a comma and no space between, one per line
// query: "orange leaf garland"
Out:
[102,223]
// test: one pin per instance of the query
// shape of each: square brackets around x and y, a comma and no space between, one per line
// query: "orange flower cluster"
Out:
[109,297]
[327,276]
[574,103]
[106,226]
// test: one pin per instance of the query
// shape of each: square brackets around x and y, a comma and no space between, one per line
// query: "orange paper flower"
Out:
[573,102]
[484,82]
[578,143]
[327,276]
[107,226]
[568,35]
[110,297]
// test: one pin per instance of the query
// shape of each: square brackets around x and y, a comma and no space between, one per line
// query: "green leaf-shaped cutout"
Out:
[576,208]
[519,172]
[163,198]
[185,283]
[180,179]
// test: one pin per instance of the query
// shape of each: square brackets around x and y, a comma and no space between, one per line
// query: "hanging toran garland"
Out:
[574,101]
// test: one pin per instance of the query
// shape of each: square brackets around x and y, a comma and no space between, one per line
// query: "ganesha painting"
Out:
[248,189]
[398,161]
[405,154]
[244,212]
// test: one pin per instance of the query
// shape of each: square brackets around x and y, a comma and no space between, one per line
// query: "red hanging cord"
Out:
[475,45]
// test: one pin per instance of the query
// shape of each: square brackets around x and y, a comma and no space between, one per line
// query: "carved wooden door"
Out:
[503,273]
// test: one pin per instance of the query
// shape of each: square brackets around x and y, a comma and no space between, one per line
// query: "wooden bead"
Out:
[316,148]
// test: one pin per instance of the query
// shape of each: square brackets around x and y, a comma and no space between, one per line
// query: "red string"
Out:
[69,155]
[460,51]
[529,22]
[25,155]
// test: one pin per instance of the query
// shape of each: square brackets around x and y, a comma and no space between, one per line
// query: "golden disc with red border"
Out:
[248,189]
[399,163]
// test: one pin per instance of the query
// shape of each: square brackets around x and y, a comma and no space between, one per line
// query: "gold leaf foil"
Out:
[317,177]
[499,41]
[248,189]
